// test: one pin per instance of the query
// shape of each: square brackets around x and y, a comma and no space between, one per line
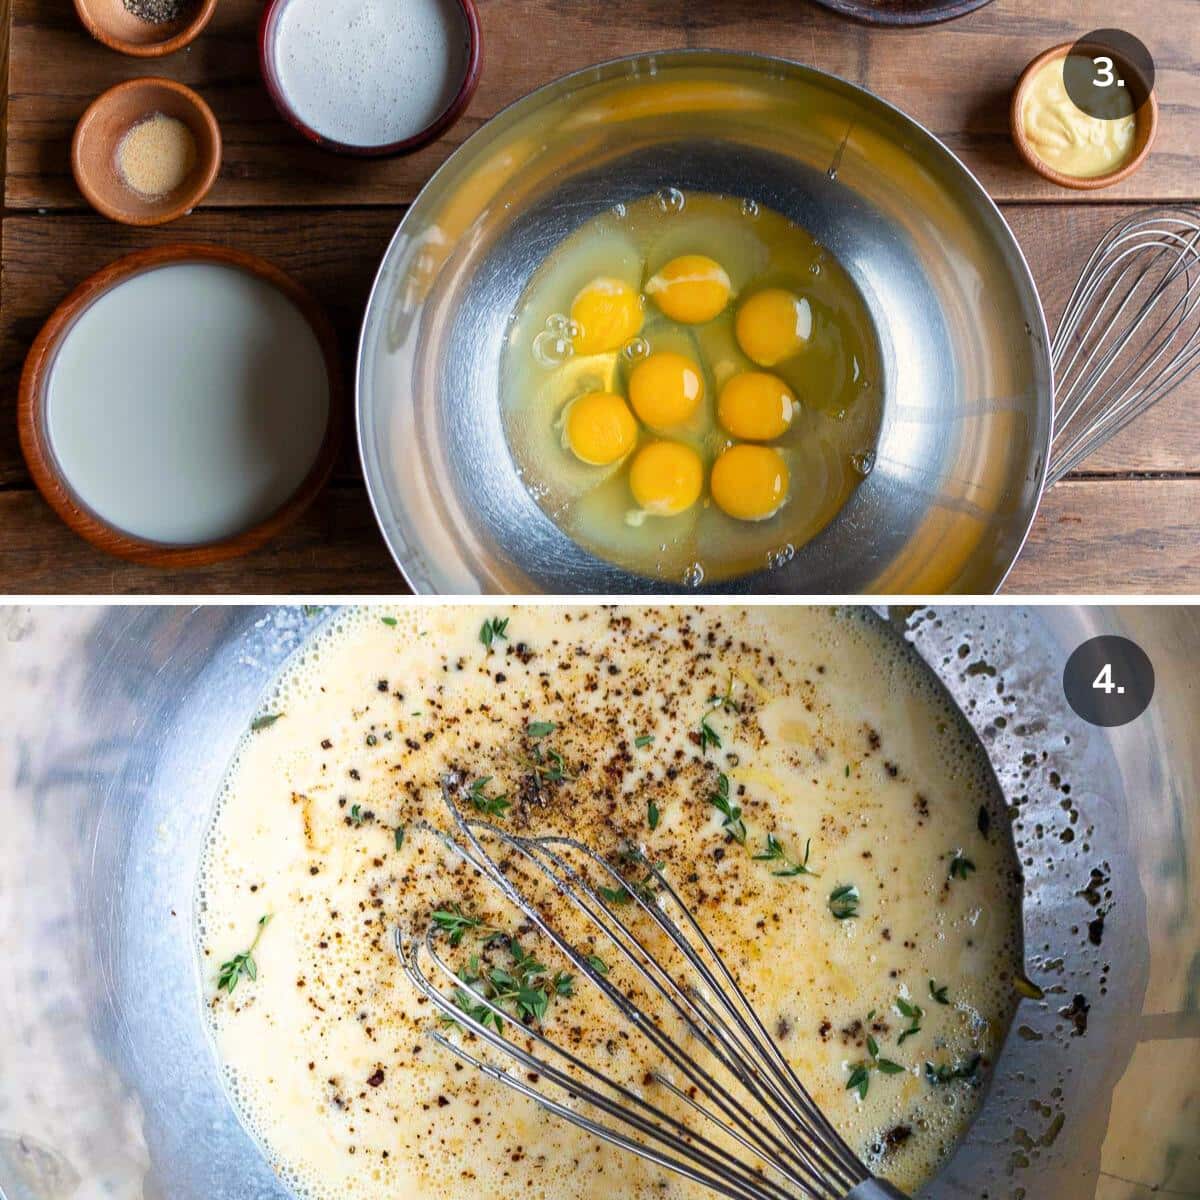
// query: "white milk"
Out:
[188,403]
[371,72]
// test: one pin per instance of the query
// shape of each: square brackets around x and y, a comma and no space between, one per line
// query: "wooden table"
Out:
[1128,522]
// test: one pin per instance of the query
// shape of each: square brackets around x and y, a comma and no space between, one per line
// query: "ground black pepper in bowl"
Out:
[159,12]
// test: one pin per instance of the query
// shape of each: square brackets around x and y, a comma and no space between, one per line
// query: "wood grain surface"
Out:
[1129,522]
[954,79]
[1147,527]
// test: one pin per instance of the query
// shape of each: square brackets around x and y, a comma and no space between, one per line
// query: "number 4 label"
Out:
[1104,682]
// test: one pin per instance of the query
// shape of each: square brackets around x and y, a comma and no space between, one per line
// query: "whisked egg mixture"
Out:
[865,895]
[691,387]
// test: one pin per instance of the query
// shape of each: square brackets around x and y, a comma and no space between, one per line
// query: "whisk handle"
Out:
[876,1189]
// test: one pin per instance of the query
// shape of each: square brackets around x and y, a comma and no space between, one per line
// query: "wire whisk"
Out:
[1130,333]
[729,1073]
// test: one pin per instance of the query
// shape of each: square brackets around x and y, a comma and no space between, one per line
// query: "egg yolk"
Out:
[750,482]
[608,313]
[665,389]
[666,478]
[756,406]
[600,429]
[773,326]
[691,289]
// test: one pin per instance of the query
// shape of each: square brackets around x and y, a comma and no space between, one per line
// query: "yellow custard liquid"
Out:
[837,737]
[1065,137]
[837,379]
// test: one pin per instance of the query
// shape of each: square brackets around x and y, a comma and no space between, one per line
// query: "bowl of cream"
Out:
[371,77]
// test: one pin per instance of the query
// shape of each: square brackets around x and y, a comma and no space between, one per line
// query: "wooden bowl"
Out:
[112,24]
[39,452]
[267,30]
[1145,131]
[109,118]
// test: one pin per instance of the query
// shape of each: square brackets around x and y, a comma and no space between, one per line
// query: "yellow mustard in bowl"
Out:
[1066,138]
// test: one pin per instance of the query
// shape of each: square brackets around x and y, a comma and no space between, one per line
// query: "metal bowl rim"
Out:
[609,68]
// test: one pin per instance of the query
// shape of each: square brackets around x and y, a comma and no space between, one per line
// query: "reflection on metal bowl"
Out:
[121,723]
[967,379]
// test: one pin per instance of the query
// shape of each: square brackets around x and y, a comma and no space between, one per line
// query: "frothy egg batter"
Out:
[806,786]
[722,326]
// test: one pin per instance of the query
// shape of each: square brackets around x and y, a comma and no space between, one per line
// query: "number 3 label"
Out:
[1106,78]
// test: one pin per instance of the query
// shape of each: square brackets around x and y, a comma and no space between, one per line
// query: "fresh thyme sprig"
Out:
[489,805]
[524,988]
[652,815]
[775,852]
[398,835]
[264,722]
[242,965]
[940,994]
[843,901]
[860,1073]
[733,824]
[914,1013]
[719,704]
[939,1076]
[546,763]
[456,924]
[494,629]
[960,867]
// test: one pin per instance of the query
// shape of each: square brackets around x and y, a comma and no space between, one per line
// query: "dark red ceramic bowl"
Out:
[267,30]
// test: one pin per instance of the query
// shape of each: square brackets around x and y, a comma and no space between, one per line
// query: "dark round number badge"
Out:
[1109,681]
[1108,74]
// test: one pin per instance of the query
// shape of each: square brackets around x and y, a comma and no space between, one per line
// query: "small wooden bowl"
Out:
[1145,131]
[112,24]
[39,453]
[267,29]
[109,118]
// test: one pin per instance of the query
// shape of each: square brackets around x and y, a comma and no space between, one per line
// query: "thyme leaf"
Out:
[493,629]
[914,1013]
[456,924]
[843,901]
[960,867]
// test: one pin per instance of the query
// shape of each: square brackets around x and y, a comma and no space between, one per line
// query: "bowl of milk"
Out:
[371,77]
[182,406]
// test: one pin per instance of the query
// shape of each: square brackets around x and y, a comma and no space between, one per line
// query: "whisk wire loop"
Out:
[763,1108]
[1130,332]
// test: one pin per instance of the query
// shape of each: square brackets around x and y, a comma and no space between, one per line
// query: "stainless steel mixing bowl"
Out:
[967,379]
[118,726]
